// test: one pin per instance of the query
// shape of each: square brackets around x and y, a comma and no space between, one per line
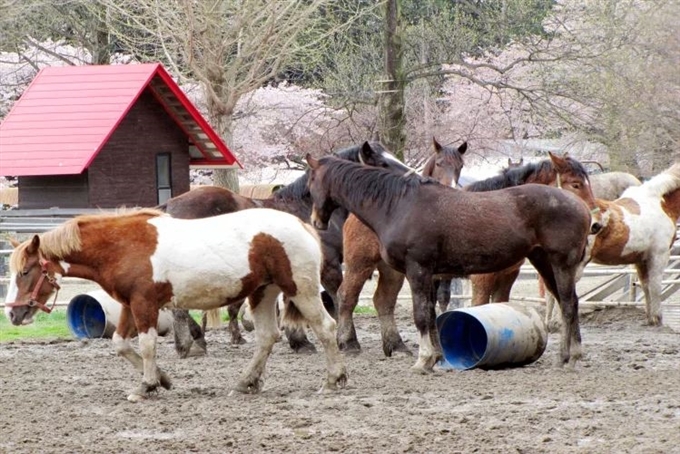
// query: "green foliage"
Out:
[434,32]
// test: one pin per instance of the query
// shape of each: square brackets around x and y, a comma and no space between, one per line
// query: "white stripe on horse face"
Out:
[11,293]
[391,157]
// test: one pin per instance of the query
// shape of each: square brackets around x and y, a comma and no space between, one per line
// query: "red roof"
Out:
[67,114]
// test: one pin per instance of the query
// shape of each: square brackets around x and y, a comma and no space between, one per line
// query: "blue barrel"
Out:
[87,319]
[491,336]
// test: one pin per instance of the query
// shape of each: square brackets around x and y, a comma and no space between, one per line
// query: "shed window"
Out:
[163,181]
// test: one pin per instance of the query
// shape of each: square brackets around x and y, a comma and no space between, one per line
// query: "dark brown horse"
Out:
[361,250]
[295,199]
[568,172]
[426,230]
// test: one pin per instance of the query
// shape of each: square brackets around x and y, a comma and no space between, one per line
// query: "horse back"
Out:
[214,261]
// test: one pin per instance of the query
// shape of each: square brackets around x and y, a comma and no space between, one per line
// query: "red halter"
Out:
[33,301]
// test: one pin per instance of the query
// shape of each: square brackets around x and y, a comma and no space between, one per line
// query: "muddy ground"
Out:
[624,396]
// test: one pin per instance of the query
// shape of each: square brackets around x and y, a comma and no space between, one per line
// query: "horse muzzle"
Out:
[318,223]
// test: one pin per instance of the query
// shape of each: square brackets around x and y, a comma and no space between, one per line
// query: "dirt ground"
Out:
[67,397]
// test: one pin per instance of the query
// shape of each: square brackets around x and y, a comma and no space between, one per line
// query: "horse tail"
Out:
[663,183]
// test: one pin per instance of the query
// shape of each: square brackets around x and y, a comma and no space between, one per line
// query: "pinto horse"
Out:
[361,251]
[570,174]
[640,230]
[295,199]
[147,260]
[427,230]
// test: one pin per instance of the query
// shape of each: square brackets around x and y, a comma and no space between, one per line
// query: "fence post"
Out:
[3,269]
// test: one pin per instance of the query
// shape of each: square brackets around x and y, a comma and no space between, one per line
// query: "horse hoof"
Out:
[247,325]
[248,387]
[421,370]
[134,397]
[400,349]
[304,347]
[238,340]
[351,347]
[165,381]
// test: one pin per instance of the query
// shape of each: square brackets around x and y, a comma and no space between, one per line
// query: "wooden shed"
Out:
[105,136]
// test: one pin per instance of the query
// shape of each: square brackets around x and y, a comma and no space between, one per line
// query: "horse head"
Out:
[32,280]
[571,176]
[374,154]
[323,204]
[446,163]
[512,165]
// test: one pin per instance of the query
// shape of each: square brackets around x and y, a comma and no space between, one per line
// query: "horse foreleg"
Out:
[307,303]
[232,327]
[348,298]
[481,287]
[385,297]
[561,282]
[504,281]
[429,351]
[186,331]
[650,274]
[443,290]
[263,310]
[146,363]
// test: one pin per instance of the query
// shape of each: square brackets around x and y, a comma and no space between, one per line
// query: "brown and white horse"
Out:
[147,260]
[640,229]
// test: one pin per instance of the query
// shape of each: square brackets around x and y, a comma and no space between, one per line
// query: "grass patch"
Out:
[50,326]
[44,326]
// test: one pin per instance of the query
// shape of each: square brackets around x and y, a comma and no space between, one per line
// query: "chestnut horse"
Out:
[572,177]
[361,251]
[427,230]
[293,198]
[640,230]
[147,260]
[564,172]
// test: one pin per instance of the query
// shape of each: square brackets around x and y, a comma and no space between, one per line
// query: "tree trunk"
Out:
[226,178]
[392,121]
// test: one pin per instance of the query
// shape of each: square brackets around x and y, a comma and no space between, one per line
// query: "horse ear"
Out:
[521,160]
[14,242]
[34,246]
[366,150]
[312,162]
[437,145]
[509,162]
[463,148]
[558,162]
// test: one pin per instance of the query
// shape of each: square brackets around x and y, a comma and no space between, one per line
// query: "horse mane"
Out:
[371,183]
[663,183]
[64,239]
[516,176]
[297,190]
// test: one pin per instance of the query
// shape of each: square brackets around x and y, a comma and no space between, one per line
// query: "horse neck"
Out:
[370,212]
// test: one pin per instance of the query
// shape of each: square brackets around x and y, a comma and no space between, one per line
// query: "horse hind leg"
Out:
[306,307]
[348,299]
[650,276]
[390,282]
[263,309]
